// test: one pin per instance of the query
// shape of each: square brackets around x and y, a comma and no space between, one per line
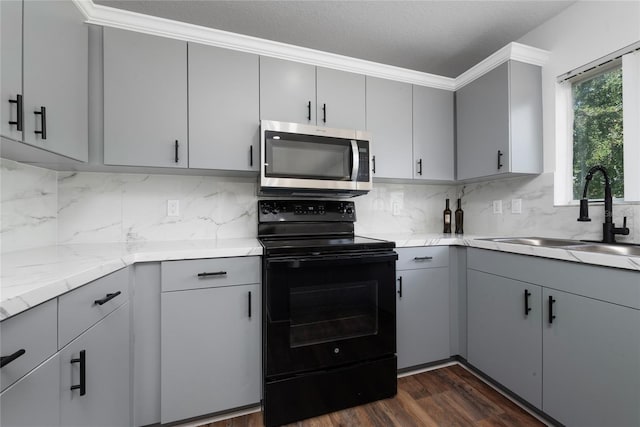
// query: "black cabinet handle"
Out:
[527,309]
[43,122]
[251,155]
[309,111]
[500,154]
[249,304]
[5,360]
[373,162]
[422,258]
[82,360]
[107,298]
[214,273]
[400,286]
[551,315]
[324,113]
[420,167]
[19,119]
[176,155]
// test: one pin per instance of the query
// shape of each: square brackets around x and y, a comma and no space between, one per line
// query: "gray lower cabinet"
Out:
[499,122]
[223,109]
[422,306]
[433,128]
[591,361]
[33,400]
[389,112]
[103,352]
[504,335]
[145,100]
[45,63]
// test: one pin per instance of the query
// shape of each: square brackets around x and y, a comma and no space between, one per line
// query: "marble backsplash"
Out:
[41,207]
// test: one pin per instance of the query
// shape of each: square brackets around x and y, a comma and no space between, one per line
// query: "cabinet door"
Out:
[210,350]
[432,134]
[145,100]
[107,365]
[55,72]
[482,110]
[591,361]
[11,82]
[503,341]
[223,109]
[389,108]
[34,400]
[341,99]
[287,91]
[422,316]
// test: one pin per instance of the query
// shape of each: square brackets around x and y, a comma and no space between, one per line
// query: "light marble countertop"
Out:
[33,276]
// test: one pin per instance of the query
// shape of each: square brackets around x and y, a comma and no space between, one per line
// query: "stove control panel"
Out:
[306,211]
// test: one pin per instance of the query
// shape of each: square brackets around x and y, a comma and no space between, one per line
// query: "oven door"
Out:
[327,311]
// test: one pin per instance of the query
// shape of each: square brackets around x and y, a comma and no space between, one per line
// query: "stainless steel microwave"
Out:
[303,160]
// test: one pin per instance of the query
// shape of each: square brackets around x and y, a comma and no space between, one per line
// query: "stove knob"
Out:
[275,211]
[266,209]
[349,211]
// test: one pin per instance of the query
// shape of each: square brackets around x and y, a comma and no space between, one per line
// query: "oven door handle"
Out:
[355,160]
[298,262]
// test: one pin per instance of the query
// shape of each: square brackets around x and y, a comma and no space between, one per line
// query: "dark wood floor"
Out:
[449,396]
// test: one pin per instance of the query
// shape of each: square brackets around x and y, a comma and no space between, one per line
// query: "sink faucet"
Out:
[609,229]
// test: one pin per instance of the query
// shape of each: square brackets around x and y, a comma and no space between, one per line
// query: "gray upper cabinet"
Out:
[287,91]
[499,122]
[341,99]
[223,109]
[145,100]
[45,61]
[389,119]
[433,155]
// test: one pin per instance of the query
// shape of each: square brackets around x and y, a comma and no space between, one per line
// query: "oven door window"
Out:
[332,312]
[309,157]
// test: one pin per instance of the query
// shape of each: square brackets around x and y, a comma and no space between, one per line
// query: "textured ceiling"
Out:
[440,37]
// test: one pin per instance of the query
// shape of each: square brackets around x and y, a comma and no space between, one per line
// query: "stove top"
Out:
[317,245]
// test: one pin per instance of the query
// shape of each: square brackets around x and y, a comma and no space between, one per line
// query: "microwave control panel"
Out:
[364,166]
[306,210]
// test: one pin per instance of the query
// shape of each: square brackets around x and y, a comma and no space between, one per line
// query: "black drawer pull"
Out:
[527,309]
[400,286]
[19,121]
[373,164]
[551,315]
[215,273]
[83,373]
[500,154]
[251,155]
[5,360]
[324,113]
[176,154]
[420,167]
[309,111]
[249,304]
[422,258]
[107,298]
[43,121]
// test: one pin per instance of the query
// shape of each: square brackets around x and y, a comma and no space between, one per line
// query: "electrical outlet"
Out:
[516,206]
[173,208]
[497,206]
[396,208]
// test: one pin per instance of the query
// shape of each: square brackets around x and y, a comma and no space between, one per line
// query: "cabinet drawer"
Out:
[209,273]
[80,309]
[422,257]
[33,331]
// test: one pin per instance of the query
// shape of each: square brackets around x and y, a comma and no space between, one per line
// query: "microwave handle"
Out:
[355,160]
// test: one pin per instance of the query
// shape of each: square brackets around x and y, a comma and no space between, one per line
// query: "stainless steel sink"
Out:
[538,241]
[603,248]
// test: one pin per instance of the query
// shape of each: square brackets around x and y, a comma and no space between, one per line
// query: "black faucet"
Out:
[609,230]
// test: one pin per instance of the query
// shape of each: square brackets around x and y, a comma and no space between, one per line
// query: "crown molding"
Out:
[133,21]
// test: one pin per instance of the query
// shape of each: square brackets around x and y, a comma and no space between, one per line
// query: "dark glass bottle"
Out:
[459,214]
[447,219]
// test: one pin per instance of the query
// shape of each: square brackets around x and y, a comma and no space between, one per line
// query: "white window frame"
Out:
[563,194]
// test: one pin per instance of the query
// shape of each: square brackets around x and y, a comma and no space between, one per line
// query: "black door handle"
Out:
[400,286]
[107,298]
[500,154]
[43,122]
[422,258]
[373,161]
[19,119]
[309,111]
[5,360]
[249,304]
[324,113]
[83,373]
[551,315]
[215,273]
[420,167]
[527,309]
[251,155]
[176,155]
